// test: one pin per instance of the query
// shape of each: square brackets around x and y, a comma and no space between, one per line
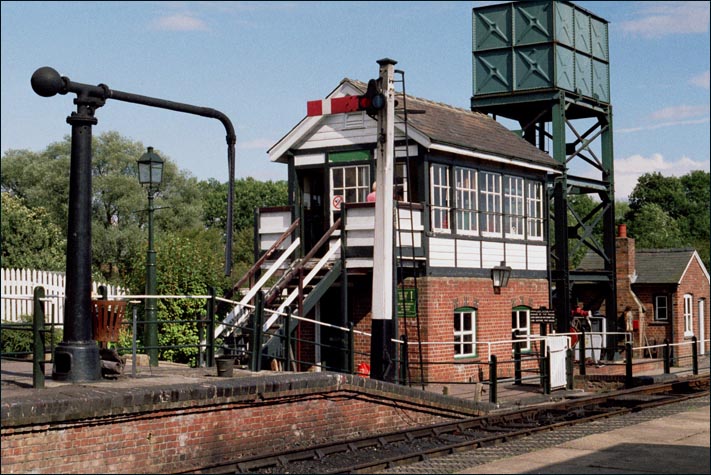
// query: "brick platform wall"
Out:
[194,434]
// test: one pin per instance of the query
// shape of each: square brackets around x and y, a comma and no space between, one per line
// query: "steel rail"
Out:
[501,427]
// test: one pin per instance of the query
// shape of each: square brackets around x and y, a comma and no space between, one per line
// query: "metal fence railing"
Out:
[298,344]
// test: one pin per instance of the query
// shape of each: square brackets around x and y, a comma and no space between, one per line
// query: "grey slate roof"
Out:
[653,266]
[474,131]
[661,266]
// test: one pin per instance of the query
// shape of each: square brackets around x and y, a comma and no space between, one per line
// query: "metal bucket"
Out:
[225,366]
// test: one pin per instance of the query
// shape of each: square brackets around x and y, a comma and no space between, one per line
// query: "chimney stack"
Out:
[622,231]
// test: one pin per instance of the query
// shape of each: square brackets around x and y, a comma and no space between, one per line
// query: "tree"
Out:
[654,228]
[251,194]
[118,200]
[656,188]
[682,204]
[29,238]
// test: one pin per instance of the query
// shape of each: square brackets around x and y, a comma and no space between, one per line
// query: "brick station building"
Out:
[667,291]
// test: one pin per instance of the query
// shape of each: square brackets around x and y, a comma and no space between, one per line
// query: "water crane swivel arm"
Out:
[47,82]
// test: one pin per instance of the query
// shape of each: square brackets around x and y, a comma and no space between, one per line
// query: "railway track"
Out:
[381,452]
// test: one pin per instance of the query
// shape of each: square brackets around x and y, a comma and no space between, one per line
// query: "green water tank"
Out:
[536,45]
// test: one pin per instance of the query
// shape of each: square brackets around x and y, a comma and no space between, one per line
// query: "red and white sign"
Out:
[336,202]
[338,105]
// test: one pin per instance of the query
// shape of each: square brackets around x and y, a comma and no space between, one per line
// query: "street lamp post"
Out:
[150,174]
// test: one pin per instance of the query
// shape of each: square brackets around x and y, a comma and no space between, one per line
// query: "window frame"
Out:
[526,329]
[437,192]
[688,315]
[466,200]
[534,210]
[459,342]
[362,173]
[490,204]
[657,299]
[514,201]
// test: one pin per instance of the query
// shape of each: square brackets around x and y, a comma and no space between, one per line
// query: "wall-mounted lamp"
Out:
[500,276]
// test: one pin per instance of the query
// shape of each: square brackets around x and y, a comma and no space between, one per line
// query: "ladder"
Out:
[400,151]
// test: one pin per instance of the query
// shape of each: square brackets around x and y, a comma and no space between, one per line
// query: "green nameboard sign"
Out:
[406,302]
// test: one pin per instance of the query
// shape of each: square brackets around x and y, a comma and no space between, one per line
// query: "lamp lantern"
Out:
[150,169]
[500,276]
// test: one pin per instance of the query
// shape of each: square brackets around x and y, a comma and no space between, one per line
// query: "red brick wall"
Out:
[182,439]
[695,283]
[438,297]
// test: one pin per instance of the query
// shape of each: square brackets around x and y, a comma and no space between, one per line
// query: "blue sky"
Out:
[260,62]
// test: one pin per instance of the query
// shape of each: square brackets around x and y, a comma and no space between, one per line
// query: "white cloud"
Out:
[180,22]
[701,80]
[629,169]
[677,113]
[675,123]
[673,116]
[669,18]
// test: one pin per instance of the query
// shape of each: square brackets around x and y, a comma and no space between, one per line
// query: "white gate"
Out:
[556,347]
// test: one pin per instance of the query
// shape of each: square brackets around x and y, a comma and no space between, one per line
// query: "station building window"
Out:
[688,315]
[534,209]
[661,308]
[513,207]
[351,182]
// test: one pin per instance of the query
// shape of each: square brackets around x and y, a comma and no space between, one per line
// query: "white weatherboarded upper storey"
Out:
[441,128]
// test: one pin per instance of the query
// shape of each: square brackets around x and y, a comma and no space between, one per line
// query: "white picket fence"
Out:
[18,286]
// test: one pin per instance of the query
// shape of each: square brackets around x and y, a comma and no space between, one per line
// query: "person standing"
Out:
[371,196]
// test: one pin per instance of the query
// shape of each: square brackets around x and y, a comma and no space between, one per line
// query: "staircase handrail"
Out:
[253,291]
[321,263]
[277,289]
[253,270]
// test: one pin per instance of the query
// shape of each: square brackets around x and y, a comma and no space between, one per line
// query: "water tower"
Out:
[545,65]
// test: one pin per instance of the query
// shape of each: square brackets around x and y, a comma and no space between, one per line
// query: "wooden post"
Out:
[382,349]
[38,337]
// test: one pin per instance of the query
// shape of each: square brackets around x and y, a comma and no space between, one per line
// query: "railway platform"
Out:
[16,377]
[180,390]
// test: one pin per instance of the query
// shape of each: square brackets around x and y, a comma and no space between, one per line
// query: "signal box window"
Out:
[521,321]
[491,204]
[464,332]
[466,200]
[439,189]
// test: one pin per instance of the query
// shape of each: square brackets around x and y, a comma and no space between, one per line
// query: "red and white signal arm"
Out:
[337,105]
[336,202]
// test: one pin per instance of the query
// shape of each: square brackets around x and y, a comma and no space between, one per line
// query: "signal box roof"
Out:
[440,124]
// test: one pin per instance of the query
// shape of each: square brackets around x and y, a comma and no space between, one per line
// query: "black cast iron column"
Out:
[77,356]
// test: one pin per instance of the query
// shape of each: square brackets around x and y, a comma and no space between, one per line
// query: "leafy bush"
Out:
[19,341]
[187,264]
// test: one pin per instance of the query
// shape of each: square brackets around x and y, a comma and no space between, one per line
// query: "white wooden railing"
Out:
[17,287]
